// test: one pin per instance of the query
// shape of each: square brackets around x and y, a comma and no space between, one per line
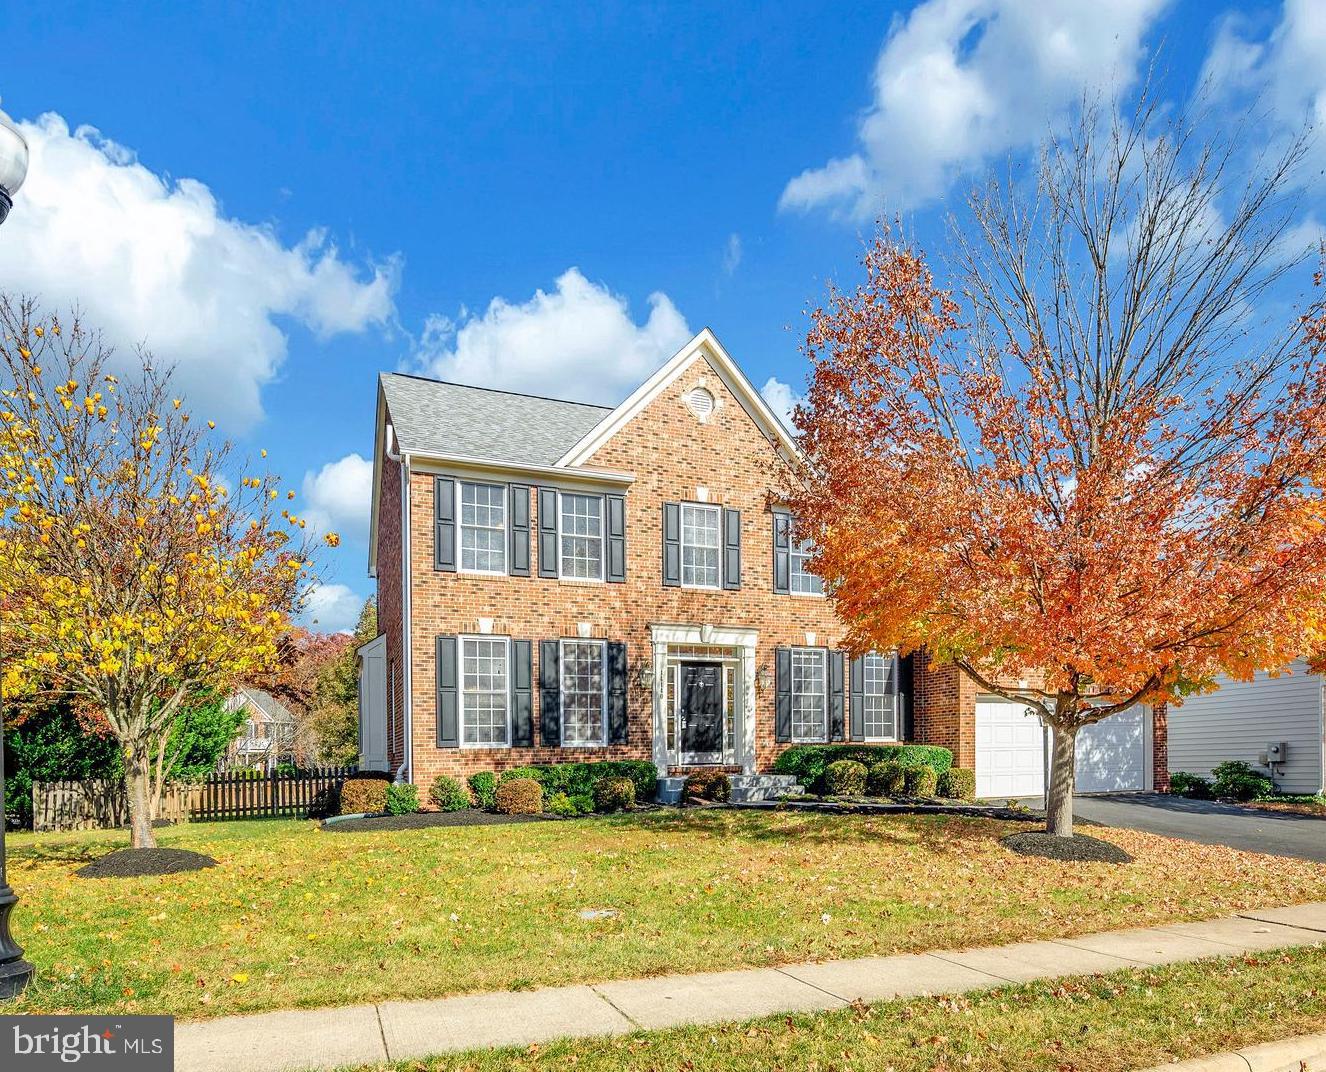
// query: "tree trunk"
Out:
[1059,797]
[138,782]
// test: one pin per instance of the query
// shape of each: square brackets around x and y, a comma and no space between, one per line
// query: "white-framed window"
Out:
[879,699]
[580,536]
[800,581]
[810,695]
[481,509]
[584,693]
[485,699]
[701,545]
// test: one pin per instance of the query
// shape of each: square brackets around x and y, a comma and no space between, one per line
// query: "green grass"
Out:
[1111,1023]
[295,916]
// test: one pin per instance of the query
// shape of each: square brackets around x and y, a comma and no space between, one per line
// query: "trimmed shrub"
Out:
[560,804]
[845,778]
[519,796]
[921,781]
[707,785]
[402,799]
[807,762]
[584,803]
[363,795]
[483,789]
[448,794]
[957,783]
[1238,781]
[887,779]
[1183,784]
[579,779]
[614,794]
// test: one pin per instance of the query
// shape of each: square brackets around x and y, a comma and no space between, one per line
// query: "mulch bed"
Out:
[134,863]
[868,807]
[1300,807]
[423,819]
[1080,848]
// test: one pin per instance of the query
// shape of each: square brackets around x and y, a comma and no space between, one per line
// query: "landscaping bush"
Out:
[519,796]
[707,785]
[807,762]
[614,794]
[957,783]
[402,799]
[1238,781]
[364,795]
[448,794]
[921,781]
[887,779]
[579,779]
[560,804]
[1183,784]
[483,787]
[845,778]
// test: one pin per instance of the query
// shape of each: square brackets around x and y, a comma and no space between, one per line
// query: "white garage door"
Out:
[1111,754]
[1010,751]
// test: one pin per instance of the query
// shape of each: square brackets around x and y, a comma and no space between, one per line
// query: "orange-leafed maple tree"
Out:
[1086,472]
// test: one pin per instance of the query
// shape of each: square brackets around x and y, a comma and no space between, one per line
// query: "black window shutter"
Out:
[550,693]
[731,549]
[672,545]
[835,695]
[547,532]
[517,559]
[444,531]
[617,720]
[616,507]
[782,563]
[783,694]
[857,690]
[522,699]
[448,693]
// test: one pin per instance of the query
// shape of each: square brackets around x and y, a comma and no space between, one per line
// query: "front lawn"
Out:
[295,916]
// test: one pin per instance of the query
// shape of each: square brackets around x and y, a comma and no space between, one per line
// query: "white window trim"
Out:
[506,529]
[681,544]
[561,691]
[603,538]
[460,689]
[823,654]
[792,551]
[897,711]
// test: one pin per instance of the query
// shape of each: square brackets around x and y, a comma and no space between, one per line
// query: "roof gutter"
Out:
[552,472]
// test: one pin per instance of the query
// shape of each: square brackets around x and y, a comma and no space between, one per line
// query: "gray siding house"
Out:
[1242,718]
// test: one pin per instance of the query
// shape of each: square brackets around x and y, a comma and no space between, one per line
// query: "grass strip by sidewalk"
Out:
[1112,1023]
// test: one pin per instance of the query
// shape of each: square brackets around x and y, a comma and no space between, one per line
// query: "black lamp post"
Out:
[15,972]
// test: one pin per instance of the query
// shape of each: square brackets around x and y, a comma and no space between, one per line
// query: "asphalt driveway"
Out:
[1205,821]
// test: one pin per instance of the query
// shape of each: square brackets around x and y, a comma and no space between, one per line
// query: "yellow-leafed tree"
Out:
[132,574]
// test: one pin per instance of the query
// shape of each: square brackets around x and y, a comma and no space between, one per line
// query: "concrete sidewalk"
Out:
[398,1030]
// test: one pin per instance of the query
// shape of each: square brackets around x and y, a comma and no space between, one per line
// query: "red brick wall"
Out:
[1160,748]
[389,607]
[945,709]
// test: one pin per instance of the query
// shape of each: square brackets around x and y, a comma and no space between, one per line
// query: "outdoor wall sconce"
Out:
[645,676]
[763,679]
[706,634]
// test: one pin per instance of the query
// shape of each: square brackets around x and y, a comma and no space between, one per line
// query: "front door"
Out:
[701,713]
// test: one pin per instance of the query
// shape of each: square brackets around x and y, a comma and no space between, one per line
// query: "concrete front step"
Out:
[745,788]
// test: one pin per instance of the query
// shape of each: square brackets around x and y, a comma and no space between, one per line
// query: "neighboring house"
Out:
[1249,720]
[560,581]
[267,734]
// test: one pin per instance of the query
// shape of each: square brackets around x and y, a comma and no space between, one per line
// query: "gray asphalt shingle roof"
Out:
[434,417]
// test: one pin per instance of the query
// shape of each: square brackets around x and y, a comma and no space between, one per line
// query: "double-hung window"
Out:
[701,546]
[584,692]
[485,705]
[580,528]
[879,699]
[800,580]
[482,512]
[810,695]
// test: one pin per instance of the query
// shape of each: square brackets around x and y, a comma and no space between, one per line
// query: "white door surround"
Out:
[731,647]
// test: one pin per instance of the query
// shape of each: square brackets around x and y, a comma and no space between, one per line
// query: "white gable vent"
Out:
[700,402]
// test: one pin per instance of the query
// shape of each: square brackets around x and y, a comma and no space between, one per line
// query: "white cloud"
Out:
[578,340]
[332,608]
[154,260]
[732,254]
[338,496]
[959,82]
[782,399]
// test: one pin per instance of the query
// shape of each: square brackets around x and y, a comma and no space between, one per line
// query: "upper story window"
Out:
[701,545]
[581,536]
[583,690]
[800,580]
[484,699]
[879,698]
[810,695]
[482,511]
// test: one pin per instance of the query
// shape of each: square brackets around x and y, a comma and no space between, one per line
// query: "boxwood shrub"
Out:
[845,778]
[1237,780]
[579,779]
[807,762]
[483,787]
[957,783]
[448,794]
[707,785]
[1184,784]
[921,781]
[614,794]
[887,779]
[519,796]
[402,799]
[364,795]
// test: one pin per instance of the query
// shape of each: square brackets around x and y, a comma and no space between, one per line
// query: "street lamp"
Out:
[15,972]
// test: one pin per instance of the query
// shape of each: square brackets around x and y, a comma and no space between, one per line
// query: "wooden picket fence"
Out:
[93,805]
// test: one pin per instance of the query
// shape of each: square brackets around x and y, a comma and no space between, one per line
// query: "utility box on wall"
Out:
[1276,752]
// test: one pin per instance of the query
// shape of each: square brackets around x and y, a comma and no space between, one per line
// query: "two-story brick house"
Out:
[560,581]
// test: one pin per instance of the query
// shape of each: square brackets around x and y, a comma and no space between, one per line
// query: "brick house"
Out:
[560,581]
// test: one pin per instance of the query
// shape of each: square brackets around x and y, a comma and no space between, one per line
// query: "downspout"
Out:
[405,772]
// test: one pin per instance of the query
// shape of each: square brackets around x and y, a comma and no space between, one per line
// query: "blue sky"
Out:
[284,202]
